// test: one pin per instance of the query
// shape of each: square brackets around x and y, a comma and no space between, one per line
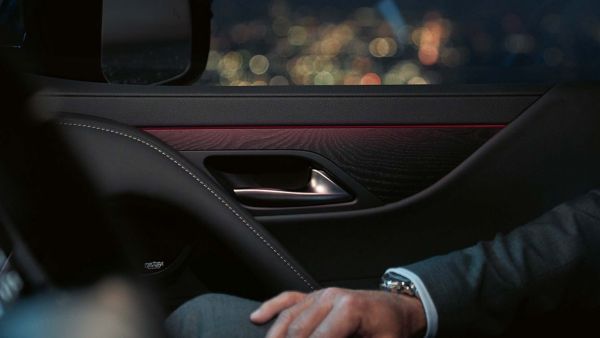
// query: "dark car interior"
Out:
[111,169]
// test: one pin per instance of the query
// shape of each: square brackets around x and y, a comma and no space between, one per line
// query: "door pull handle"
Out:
[321,190]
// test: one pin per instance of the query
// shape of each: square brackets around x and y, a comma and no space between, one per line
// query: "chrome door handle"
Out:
[320,190]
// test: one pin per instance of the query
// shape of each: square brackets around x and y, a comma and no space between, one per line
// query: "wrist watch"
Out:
[399,284]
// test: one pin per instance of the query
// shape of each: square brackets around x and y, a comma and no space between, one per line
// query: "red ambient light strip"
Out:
[284,127]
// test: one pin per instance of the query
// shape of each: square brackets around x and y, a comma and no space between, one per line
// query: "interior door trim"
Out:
[291,106]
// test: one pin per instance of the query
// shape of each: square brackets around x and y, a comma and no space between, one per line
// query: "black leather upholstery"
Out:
[125,160]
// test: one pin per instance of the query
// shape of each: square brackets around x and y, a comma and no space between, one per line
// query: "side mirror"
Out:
[154,41]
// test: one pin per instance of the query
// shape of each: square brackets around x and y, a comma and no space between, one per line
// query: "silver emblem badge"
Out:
[156,265]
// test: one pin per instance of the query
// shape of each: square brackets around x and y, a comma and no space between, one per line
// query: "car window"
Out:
[12,30]
[390,42]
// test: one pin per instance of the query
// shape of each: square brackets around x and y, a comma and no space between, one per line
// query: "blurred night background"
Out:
[395,42]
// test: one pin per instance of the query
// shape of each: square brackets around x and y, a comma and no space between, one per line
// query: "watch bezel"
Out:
[396,283]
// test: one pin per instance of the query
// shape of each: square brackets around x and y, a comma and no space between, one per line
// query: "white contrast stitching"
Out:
[203,184]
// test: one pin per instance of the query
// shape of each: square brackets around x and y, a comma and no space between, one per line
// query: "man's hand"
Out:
[334,313]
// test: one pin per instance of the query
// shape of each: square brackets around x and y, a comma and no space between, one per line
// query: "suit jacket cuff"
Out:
[428,305]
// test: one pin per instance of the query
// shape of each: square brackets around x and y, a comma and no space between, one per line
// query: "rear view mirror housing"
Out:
[115,40]
[148,41]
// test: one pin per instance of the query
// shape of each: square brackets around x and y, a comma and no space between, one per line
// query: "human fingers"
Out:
[341,321]
[280,327]
[274,306]
[309,319]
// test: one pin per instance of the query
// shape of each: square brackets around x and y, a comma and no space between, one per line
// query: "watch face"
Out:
[396,283]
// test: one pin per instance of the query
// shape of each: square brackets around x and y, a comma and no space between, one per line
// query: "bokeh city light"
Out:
[292,43]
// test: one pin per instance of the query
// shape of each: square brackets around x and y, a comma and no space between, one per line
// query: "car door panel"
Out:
[392,162]
[451,165]
[289,106]
[550,154]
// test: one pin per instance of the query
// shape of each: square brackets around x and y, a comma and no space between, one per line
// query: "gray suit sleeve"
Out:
[550,263]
